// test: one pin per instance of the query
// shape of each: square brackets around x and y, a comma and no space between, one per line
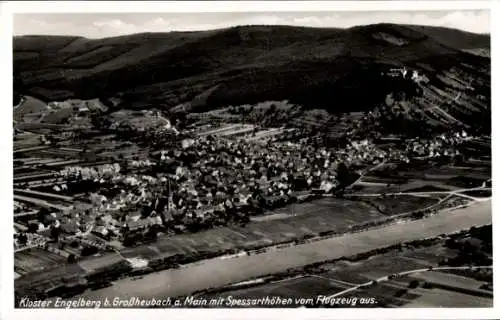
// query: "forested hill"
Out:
[336,69]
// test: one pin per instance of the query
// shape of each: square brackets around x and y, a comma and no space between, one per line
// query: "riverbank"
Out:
[324,218]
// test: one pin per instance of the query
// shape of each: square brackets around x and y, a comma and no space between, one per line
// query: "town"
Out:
[93,190]
[218,174]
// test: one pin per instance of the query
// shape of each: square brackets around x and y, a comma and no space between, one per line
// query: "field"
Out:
[448,299]
[385,294]
[427,256]
[390,293]
[427,188]
[392,205]
[478,193]
[35,259]
[303,287]
[466,181]
[265,134]
[448,279]
[29,106]
[143,252]
[294,222]
[228,130]
[92,264]
[41,127]
[383,180]
[409,186]
[374,267]
[58,117]
[330,278]
[427,177]
[39,281]
[26,140]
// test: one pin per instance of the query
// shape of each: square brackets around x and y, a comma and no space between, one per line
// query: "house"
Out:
[96,104]
[327,186]
[138,225]
[300,195]
[46,232]
[271,201]
[134,216]
[417,78]
[186,143]
[244,196]
[109,220]
[83,109]
[157,220]
[180,228]
[152,220]
[398,72]
[70,227]
[318,191]
[100,231]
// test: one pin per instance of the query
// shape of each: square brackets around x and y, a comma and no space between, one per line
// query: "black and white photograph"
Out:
[277,159]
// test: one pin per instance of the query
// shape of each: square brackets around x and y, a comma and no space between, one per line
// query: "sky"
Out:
[100,25]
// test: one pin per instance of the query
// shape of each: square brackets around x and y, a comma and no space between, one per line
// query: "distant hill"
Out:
[335,69]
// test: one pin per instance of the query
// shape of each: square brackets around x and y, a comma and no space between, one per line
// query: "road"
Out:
[429,193]
[34,193]
[24,214]
[39,202]
[215,273]
[404,273]
[38,148]
[366,171]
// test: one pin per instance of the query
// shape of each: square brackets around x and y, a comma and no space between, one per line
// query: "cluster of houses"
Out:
[406,73]
[212,176]
[443,145]
[78,106]
[90,173]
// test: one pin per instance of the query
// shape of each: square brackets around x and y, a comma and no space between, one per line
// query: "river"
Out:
[219,272]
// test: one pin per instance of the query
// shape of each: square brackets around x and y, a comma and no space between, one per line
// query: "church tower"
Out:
[170,200]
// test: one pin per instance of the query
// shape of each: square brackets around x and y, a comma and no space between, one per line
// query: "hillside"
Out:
[335,69]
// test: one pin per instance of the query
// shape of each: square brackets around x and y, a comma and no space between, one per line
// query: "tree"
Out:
[254,132]
[17,98]
[41,214]
[71,258]
[32,228]
[400,292]
[146,211]
[413,284]
[151,234]
[343,176]
[88,250]
[22,239]
[18,87]
[54,233]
